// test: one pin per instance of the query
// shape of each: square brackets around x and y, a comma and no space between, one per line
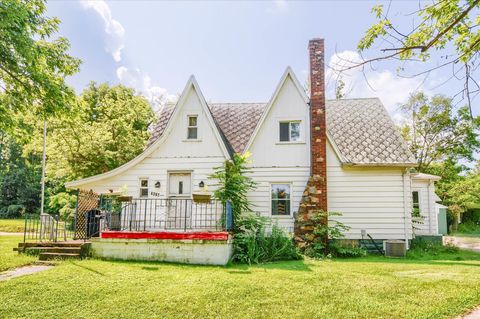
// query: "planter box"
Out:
[125,198]
[202,197]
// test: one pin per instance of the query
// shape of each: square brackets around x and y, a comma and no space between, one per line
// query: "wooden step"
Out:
[58,256]
[70,250]
[52,244]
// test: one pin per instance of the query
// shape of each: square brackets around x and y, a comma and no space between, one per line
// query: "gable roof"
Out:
[164,125]
[286,75]
[360,130]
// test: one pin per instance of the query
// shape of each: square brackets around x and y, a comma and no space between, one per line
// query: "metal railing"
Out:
[176,214]
[104,214]
[46,227]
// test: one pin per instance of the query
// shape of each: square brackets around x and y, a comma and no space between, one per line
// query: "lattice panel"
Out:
[86,201]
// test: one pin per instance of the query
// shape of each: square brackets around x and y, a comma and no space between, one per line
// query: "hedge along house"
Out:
[307,153]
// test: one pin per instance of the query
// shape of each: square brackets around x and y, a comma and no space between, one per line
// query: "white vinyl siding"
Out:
[297,177]
[276,162]
[372,199]
[428,211]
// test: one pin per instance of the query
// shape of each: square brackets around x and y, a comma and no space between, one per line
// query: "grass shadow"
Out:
[87,268]
[433,260]
[150,268]
[296,265]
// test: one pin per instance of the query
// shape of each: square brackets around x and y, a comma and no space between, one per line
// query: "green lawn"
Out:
[372,287]
[12,225]
[8,257]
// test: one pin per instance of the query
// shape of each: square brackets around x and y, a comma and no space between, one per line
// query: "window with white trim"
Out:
[192,130]
[289,131]
[416,203]
[281,199]
[144,187]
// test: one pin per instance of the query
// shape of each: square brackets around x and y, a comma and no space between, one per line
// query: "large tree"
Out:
[436,34]
[33,65]
[105,128]
[19,178]
[436,132]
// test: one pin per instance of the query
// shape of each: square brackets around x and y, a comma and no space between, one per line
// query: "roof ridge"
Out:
[237,102]
[356,98]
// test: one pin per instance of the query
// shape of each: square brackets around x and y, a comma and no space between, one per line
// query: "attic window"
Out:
[290,131]
[192,130]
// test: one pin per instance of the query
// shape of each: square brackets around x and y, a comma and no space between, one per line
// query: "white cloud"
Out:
[392,90]
[156,95]
[279,6]
[113,28]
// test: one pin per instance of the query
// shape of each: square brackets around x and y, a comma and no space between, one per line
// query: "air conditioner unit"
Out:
[395,248]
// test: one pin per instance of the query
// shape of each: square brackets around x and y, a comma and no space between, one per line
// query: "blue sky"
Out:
[237,50]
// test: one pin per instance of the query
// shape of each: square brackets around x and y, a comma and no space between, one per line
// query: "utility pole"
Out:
[44,158]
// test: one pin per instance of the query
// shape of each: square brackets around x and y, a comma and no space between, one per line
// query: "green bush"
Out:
[422,247]
[342,250]
[253,244]
[328,237]
[469,227]
[15,211]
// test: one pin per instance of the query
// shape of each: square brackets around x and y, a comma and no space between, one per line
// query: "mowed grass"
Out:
[373,287]
[12,225]
[9,258]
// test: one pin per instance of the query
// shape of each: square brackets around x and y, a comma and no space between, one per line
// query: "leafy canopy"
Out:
[33,66]
[442,23]
[106,127]
[444,32]
[436,132]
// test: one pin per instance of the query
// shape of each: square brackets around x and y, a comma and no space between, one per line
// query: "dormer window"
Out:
[290,131]
[192,130]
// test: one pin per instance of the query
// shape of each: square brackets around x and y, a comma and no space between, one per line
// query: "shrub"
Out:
[15,211]
[430,247]
[469,227]
[327,238]
[252,244]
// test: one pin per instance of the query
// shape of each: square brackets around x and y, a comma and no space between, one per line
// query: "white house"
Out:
[368,165]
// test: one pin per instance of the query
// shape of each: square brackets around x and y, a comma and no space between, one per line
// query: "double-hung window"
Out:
[416,203]
[290,131]
[192,130]
[144,187]
[281,199]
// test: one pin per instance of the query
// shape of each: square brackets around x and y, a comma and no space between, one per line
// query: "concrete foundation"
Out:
[204,252]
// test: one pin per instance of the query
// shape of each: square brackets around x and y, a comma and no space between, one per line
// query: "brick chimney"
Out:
[314,197]
[318,133]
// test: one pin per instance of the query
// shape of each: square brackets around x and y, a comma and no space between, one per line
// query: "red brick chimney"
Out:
[314,199]
[318,133]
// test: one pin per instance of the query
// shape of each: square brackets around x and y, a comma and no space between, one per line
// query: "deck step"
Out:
[51,244]
[57,256]
[71,250]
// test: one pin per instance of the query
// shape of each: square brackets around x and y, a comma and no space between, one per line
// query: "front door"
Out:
[179,207]
[180,185]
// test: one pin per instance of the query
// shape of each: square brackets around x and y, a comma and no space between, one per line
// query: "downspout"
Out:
[430,215]
[405,207]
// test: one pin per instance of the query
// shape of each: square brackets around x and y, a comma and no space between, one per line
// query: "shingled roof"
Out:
[364,133]
[361,129]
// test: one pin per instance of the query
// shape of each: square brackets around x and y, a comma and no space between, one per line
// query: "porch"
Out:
[162,229]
